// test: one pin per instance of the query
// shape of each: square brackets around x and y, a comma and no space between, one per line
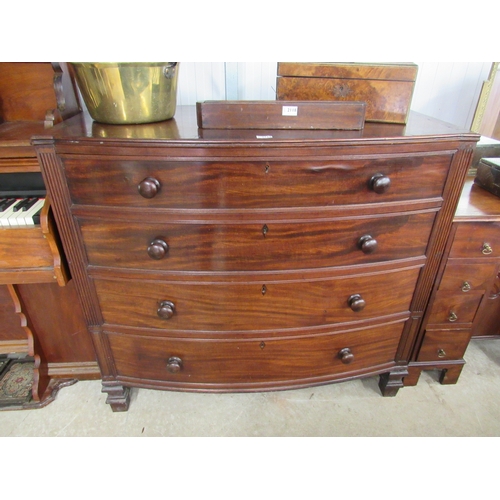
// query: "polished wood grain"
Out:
[444,345]
[479,240]
[256,306]
[465,276]
[451,308]
[266,244]
[256,363]
[263,245]
[468,285]
[369,71]
[304,115]
[266,184]
[386,89]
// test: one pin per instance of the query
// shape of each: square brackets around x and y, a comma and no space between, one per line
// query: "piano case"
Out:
[488,175]
[387,89]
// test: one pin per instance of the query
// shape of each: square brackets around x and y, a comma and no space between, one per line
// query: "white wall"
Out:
[448,91]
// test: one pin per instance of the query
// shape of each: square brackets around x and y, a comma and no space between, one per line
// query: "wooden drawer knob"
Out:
[380,183]
[367,244]
[356,302]
[166,309]
[149,187]
[346,356]
[174,364]
[157,249]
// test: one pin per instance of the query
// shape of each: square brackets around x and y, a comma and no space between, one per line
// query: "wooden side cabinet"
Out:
[465,301]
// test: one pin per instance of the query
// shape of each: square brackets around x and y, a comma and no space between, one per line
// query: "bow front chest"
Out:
[224,260]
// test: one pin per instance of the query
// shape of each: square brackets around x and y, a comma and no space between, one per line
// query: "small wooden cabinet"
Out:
[232,260]
[466,297]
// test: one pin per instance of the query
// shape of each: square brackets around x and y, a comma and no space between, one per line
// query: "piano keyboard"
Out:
[16,211]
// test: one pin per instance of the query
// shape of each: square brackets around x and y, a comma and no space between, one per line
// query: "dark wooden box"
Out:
[387,89]
[306,115]
[488,175]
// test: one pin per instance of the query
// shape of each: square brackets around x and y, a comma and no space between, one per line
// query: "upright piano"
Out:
[40,317]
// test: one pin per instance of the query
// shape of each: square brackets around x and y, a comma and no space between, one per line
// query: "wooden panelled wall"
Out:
[448,91]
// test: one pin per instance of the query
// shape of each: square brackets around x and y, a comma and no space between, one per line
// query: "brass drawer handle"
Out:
[174,364]
[346,356]
[452,317]
[368,244]
[466,286]
[157,249]
[486,250]
[149,187]
[380,183]
[441,353]
[166,309]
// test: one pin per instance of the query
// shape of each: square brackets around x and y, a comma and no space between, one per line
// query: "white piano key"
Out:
[28,217]
[4,216]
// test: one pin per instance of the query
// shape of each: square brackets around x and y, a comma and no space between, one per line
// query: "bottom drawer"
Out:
[205,363]
[444,345]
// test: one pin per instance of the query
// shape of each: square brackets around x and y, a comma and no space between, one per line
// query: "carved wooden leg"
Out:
[451,374]
[118,395]
[390,383]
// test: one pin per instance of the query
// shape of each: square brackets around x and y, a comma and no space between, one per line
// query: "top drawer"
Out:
[476,239]
[255,184]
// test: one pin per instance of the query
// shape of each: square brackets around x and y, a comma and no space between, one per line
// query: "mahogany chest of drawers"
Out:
[224,260]
[466,298]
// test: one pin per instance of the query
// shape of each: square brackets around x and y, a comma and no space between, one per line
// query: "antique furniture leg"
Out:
[118,395]
[391,382]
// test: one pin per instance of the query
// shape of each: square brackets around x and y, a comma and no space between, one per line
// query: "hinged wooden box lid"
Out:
[387,89]
[270,115]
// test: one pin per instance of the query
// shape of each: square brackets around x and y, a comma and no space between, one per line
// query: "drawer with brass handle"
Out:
[444,345]
[476,240]
[464,275]
[454,308]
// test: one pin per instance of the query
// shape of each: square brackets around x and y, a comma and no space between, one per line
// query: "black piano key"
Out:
[5,203]
[18,206]
[36,217]
[30,203]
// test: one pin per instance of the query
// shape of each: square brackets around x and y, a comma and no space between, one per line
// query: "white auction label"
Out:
[290,110]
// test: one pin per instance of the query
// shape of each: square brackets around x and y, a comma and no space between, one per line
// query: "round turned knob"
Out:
[166,309]
[346,356]
[149,187]
[157,249]
[486,250]
[356,302]
[380,183]
[367,244]
[174,364]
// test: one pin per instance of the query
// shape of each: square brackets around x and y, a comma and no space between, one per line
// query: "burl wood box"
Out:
[488,175]
[387,89]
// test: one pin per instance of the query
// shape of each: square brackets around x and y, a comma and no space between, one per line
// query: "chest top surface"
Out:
[183,130]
